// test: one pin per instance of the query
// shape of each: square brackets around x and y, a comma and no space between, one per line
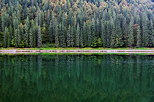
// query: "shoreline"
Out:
[15,51]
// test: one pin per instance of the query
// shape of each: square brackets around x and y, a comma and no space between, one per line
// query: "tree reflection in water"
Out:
[76,78]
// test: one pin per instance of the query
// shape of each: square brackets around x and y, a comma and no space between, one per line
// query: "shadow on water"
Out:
[76,78]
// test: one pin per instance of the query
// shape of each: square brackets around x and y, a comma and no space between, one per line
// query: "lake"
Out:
[76,78]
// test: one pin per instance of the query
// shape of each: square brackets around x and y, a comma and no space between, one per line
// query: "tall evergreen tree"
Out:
[131,33]
[69,37]
[145,34]
[6,38]
[139,37]
[78,36]
[27,24]
[39,37]
[56,35]
[31,38]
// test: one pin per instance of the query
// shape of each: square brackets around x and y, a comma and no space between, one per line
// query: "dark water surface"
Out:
[76,78]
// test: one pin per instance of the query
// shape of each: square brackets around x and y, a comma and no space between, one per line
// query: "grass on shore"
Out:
[76,53]
[88,48]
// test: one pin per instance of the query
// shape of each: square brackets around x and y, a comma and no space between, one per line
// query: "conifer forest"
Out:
[76,23]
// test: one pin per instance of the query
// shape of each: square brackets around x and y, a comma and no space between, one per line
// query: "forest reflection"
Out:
[76,78]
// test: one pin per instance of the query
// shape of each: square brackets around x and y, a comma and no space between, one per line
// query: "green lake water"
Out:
[76,78]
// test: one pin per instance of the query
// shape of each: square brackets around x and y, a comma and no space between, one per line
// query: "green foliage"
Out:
[6,38]
[48,45]
[97,42]
[74,23]
[138,37]
[131,34]
[39,37]
[1,39]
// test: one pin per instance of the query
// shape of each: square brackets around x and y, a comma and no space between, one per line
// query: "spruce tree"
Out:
[56,35]
[77,36]
[81,38]
[139,37]
[27,24]
[39,37]
[103,34]
[31,38]
[72,37]
[18,37]
[68,40]
[131,33]
[145,35]
[5,40]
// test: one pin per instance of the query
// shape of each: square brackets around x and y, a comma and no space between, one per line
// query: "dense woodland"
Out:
[76,23]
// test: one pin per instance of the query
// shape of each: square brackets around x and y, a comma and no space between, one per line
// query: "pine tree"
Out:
[15,37]
[51,32]
[10,36]
[51,28]
[5,37]
[145,30]
[77,36]
[21,36]
[27,24]
[93,29]
[84,34]
[62,35]
[89,38]
[81,38]
[152,32]
[39,37]
[113,34]
[138,37]
[31,38]
[56,35]
[131,33]
[3,23]
[103,34]
[18,37]
[72,37]
[69,37]
[113,38]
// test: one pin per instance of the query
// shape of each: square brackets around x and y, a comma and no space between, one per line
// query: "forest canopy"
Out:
[76,23]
